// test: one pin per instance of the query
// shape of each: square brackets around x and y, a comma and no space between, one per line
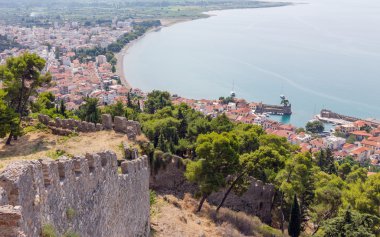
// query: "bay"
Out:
[319,53]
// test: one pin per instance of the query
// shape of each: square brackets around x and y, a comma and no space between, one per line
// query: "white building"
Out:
[334,142]
[231,106]
[101,59]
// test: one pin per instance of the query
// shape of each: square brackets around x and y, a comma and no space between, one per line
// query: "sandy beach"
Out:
[120,56]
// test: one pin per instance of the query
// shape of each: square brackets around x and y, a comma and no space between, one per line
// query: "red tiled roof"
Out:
[359,150]
[361,133]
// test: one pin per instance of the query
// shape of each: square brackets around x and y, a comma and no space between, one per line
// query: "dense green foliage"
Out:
[8,118]
[224,154]
[350,224]
[21,77]
[315,127]
[89,111]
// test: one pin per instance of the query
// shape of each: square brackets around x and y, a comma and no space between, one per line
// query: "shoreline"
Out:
[120,56]
[166,23]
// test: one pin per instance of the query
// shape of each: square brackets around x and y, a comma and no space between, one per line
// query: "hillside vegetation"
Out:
[315,194]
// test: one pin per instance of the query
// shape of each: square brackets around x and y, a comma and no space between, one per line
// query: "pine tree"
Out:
[182,130]
[330,165]
[21,77]
[294,228]
[321,159]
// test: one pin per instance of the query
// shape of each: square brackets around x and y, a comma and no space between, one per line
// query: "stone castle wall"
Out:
[64,127]
[86,195]
[257,201]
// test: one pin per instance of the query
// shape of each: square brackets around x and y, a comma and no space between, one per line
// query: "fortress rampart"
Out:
[64,127]
[86,195]
[257,200]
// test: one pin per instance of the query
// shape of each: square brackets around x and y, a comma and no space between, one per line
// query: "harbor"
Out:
[328,116]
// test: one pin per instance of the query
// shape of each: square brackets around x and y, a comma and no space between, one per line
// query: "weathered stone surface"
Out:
[127,151]
[77,124]
[257,200]
[131,128]
[51,123]
[107,121]
[58,122]
[10,217]
[105,203]
[135,125]
[71,124]
[134,153]
[131,133]
[120,124]
[91,127]
[44,119]
[84,127]
[65,124]
[99,127]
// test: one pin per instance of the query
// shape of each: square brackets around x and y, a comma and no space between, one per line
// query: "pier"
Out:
[274,109]
[339,119]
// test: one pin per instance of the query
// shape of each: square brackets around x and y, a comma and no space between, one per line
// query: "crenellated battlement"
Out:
[40,192]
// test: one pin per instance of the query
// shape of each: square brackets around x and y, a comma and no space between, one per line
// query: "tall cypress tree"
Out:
[182,130]
[62,108]
[129,101]
[294,228]
[161,142]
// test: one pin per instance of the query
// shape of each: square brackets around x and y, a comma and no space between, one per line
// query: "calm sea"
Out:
[320,54]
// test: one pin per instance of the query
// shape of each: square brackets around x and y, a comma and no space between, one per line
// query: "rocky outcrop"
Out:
[64,127]
[86,195]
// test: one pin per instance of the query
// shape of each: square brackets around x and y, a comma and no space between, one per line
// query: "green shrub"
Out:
[48,230]
[70,213]
[55,154]
[152,197]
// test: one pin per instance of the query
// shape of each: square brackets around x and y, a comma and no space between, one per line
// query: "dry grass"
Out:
[178,218]
[173,219]
[36,145]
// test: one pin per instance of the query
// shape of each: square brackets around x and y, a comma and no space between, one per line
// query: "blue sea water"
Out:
[319,53]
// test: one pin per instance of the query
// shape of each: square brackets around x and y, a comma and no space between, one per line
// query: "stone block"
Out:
[58,122]
[51,123]
[99,127]
[84,127]
[127,151]
[135,153]
[120,124]
[91,127]
[107,121]
[131,133]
